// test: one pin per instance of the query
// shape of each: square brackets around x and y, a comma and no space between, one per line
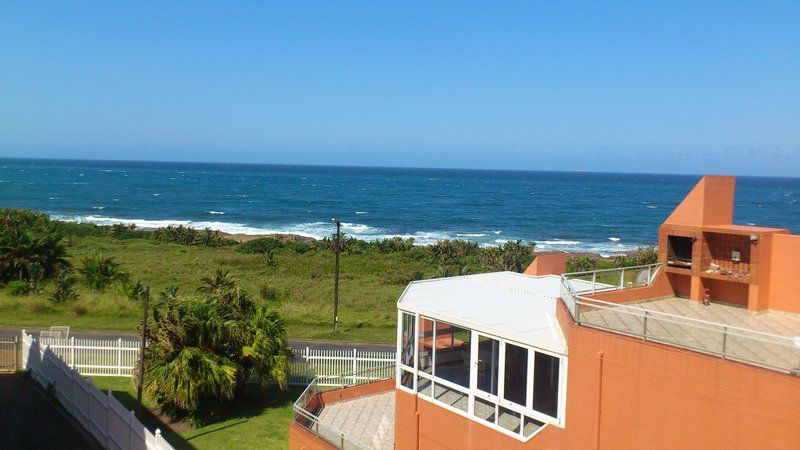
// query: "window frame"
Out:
[472,392]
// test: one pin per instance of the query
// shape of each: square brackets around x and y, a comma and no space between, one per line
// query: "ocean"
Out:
[605,213]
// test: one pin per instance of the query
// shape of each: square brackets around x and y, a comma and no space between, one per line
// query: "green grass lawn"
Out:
[369,287]
[260,419]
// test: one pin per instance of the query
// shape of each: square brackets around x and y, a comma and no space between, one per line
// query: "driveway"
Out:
[29,421]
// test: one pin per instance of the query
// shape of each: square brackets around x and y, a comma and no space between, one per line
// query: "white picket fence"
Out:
[108,357]
[99,413]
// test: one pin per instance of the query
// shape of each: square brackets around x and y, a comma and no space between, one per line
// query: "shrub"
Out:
[132,291]
[99,272]
[65,289]
[18,288]
[30,255]
[260,245]
[581,263]
[453,249]
[190,236]
[299,247]
[393,245]
[513,256]
[451,271]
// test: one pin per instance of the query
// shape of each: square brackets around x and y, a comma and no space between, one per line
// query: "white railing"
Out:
[108,357]
[594,281]
[726,341]
[96,357]
[100,414]
[305,415]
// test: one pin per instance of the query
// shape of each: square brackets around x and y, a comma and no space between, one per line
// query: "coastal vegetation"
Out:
[204,349]
[294,275]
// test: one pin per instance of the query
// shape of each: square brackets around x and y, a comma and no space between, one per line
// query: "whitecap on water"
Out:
[615,239]
[216,212]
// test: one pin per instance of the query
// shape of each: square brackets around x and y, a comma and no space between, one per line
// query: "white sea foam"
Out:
[217,213]
[652,206]
[614,239]
[360,212]
[98,207]
[321,229]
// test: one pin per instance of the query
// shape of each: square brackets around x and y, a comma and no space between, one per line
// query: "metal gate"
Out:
[9,355]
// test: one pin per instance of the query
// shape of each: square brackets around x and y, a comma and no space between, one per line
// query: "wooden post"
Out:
[141,352]
[336,279]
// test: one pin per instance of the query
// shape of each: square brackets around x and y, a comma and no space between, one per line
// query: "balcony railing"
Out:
[759,348]
[603,280]
[305,413]
[767,350]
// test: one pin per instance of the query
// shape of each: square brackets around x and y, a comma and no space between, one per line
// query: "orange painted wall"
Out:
[727,291]
[549,264]
[784,273]
[302,439]
[653,396]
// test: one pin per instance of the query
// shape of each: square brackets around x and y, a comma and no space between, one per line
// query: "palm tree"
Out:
[221,282]
[99,271]
[27,256]
[202,351]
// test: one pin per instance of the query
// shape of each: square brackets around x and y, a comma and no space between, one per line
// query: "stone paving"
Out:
[741,345]
[369,419]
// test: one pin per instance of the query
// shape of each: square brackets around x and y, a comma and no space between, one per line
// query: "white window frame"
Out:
[472,392]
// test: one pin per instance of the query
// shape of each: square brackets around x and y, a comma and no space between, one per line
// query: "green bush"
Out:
[512,256]
[18,288]
[65,289]
[269,294]
[260,245]
[190,236]
[393,245]
[453,249]
[132,291]
[299,247]
[581,263]
[99,271]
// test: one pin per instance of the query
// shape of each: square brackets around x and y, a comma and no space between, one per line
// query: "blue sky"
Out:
[522,85]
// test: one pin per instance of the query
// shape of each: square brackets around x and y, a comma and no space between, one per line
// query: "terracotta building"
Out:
[700,350]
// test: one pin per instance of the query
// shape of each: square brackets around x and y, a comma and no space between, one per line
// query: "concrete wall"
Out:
[624,393]
[549,264]
[784,274]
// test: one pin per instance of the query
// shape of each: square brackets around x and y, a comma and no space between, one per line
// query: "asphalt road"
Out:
[6,333]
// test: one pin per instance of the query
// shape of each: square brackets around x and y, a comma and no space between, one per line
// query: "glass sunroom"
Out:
[487,347]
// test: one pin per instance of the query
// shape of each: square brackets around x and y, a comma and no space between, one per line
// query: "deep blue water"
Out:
[559,210]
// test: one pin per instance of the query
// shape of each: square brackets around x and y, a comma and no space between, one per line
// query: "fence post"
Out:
[724,341]
[72,352]
[594,280]
[622,278]
[308,365]
[158,438]
[649,274]
[355,365]
[644,329]
[119,356]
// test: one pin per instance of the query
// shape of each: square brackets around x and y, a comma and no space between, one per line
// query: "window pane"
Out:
[425,350]
[509,420]
[407,379]
[424,386]
[452,353]
[451,397]
[407,351]
[516,374]
[531,426]
[484,410]
[545,384]
[488,357]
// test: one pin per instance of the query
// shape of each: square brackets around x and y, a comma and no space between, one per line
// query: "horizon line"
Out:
[462,169]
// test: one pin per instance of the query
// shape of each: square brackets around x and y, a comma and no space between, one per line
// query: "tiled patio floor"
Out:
[369,419]
[749,347]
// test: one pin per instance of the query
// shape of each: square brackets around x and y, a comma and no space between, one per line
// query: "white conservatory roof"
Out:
[505,304]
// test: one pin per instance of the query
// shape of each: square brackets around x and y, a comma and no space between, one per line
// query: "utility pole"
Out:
[141,353]
[336,279]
